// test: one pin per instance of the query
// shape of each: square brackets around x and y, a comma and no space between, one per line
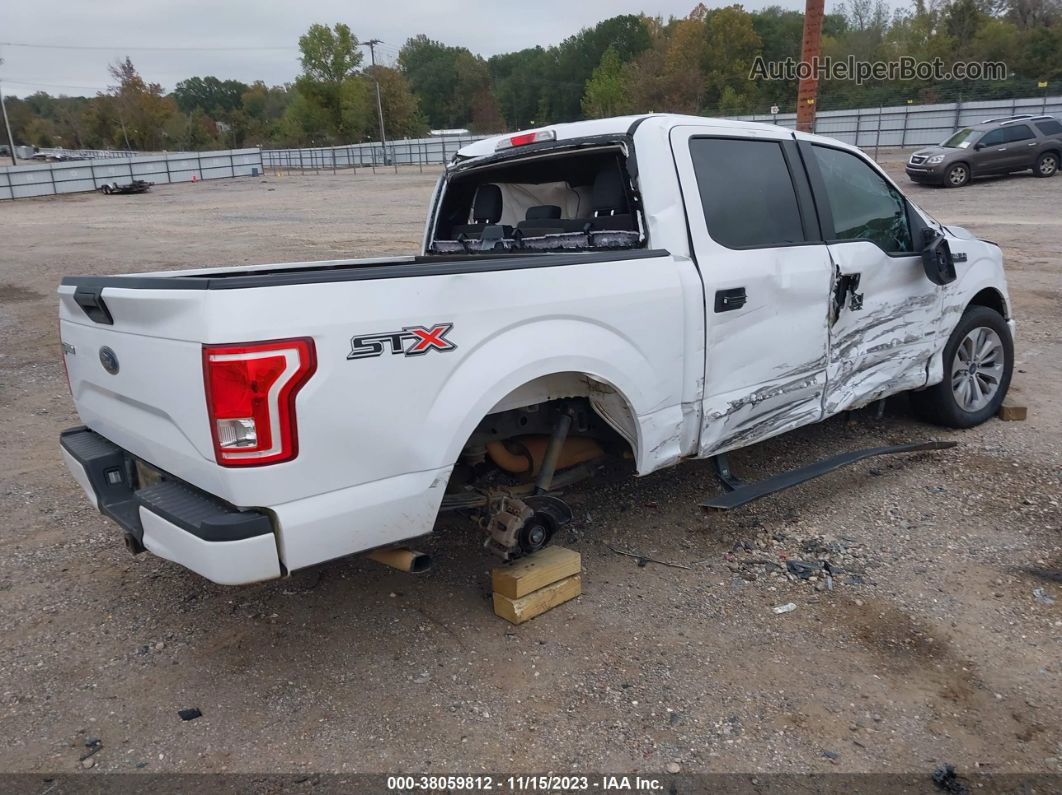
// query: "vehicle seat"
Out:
[545,219]
[609,201]
[486,210]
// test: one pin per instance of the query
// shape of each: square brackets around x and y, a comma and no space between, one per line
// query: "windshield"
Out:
[961,139]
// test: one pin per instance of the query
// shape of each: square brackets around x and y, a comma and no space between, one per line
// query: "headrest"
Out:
[609,195]
[487,208]
[543,211]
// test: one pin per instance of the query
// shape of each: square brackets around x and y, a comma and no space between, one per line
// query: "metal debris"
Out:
[1040,595]
[643,559]
[946,779]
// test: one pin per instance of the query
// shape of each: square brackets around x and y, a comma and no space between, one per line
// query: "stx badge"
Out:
[410,341]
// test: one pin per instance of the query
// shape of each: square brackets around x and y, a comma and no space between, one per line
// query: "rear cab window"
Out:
[582,200]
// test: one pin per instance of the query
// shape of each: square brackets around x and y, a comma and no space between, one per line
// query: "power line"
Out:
[31,45]
[53,85]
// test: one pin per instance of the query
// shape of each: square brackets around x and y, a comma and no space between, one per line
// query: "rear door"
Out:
[1022,146]
[884,313]
[766,275]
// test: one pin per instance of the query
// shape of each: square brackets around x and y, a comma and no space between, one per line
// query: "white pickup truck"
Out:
[658,287]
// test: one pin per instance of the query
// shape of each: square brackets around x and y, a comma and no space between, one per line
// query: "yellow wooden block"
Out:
[537,570]
[517,611]
[1011,412]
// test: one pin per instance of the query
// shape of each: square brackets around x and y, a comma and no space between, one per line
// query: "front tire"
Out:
[978,362]
[957,176]
[1046,165]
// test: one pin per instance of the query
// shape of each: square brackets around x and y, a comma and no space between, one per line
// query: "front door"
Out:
[884,313]
[991,154]
[766,275]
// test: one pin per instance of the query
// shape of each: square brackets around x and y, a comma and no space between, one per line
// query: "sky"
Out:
[252,40]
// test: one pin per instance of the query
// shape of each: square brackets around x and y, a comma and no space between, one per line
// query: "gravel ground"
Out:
[933,645]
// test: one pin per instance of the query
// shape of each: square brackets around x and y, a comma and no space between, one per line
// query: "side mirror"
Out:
[937,261]
[979,147]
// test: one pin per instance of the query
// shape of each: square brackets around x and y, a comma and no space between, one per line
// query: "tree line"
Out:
[698,64]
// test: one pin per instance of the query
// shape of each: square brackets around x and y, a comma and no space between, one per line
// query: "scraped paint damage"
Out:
[881,353]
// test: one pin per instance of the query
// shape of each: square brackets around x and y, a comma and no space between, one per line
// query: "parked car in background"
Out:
[995,146]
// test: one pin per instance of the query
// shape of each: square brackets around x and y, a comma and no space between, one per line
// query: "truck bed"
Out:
[350,270]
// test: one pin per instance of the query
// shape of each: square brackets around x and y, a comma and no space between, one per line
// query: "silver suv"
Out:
[995,146]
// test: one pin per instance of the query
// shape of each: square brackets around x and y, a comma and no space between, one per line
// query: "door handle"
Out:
[728,300]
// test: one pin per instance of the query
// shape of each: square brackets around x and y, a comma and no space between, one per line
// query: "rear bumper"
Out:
[171,518]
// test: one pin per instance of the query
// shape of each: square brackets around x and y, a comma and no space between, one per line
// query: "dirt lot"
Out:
[932,647]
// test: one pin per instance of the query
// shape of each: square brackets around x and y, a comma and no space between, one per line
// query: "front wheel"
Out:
[1046,165]
[957,176]
[978,361]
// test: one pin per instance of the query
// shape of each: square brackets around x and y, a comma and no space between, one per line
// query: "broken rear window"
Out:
[545,202]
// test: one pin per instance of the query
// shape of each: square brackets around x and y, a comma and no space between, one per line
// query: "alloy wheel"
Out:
[977,370]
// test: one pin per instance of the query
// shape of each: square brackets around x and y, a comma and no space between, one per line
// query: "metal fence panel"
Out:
[911,125]
[46,179]
[406,152]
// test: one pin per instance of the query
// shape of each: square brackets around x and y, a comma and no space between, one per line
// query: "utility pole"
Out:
[811,49]
[7,125]
[371,44]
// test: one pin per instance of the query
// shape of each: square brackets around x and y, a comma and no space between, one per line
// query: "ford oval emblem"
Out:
[109,360]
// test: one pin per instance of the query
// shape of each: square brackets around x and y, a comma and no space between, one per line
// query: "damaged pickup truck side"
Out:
[658,287]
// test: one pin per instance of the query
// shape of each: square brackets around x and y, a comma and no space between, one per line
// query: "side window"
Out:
[864,206]
[746,192]
[1019,132]
[994,138]
[1050,127]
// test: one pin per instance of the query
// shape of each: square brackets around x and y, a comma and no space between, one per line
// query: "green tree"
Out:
[520,82]
[731,47]
[575,58]
[330,57]
[142,109]
[210,95]
[452,85]
[605,93]
[400,109]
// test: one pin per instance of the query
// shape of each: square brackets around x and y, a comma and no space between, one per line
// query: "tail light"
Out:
[250,391]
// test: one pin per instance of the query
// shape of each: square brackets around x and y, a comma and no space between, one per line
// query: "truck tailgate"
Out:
[138,381]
